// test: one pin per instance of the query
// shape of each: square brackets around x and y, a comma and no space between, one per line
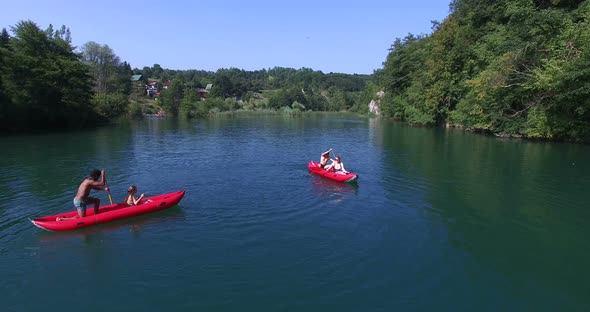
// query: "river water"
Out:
[439,220]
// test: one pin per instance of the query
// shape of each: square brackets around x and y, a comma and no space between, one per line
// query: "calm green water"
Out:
[440,220]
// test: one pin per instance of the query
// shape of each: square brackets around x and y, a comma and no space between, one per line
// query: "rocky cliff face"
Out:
[375,104]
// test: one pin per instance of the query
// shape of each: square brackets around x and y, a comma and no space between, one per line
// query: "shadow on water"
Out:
[135,225]
[515,206]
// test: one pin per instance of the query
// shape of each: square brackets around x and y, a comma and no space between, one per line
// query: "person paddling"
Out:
[324,158]
[95,181]
[337,166]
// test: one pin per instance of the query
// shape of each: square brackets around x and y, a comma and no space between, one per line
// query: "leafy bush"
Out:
[135,110]
[110,105]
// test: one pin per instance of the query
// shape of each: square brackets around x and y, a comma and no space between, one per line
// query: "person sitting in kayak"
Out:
[324,158]
[95,181]
[336,166]
[131,200]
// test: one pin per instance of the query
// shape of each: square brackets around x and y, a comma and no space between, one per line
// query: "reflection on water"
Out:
[514,206]
[334,191]
[442,219]
[135,225]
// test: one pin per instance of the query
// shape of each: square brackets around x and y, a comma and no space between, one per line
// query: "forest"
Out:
[47,83]
[277,88]
[515,68]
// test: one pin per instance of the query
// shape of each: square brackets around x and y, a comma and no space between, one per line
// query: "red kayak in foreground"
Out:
[315,168]
[108,213]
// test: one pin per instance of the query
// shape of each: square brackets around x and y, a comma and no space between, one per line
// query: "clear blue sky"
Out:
[331,36]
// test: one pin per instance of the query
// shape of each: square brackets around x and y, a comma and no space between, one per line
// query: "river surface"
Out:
[440,220]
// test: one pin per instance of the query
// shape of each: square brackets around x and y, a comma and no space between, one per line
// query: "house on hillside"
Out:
[152,88]
[203,92]
[167,84]
[137,83]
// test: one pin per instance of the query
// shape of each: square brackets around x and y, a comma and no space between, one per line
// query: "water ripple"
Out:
[451,218]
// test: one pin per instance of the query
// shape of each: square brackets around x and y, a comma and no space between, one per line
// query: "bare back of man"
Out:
[86,186]
[324,158]
[96,181]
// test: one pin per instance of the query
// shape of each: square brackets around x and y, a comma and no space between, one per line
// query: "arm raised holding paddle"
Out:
[96,180]
[325,157]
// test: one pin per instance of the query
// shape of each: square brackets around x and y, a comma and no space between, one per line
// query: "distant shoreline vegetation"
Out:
[47,84]
[507,68]
[287,112]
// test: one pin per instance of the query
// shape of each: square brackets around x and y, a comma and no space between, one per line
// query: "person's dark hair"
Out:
[95,174]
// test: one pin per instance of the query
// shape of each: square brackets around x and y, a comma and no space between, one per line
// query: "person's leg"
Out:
[81,212]
[80,207]
[94,201]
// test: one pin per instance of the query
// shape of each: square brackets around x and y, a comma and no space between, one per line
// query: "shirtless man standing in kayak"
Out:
[95,181]
[324,158]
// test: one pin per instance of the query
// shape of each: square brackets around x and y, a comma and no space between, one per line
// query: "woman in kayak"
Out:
[324,158]
[336,166]
[131,200]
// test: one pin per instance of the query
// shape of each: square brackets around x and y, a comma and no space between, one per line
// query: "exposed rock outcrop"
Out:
[375,104]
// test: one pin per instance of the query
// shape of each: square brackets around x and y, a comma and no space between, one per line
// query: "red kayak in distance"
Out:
[108,213]
[315,168]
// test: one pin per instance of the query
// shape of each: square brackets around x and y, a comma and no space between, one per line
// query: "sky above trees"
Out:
[330,36]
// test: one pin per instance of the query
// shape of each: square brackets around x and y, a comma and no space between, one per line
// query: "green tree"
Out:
[509,67]
[110,105]
[110,74]
[188,104]
[4,38]
[157,71]
[46,84]
[222,86]
[172,96]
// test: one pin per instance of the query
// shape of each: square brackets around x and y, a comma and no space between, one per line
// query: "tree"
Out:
[189,104]
[4,38]
[172,97]
[157,71]
[222,86]
[105,65]
[46,84]
[509,67]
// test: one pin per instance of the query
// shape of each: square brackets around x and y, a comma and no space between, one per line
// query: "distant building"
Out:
[151,88]
[203,92]
[136,77]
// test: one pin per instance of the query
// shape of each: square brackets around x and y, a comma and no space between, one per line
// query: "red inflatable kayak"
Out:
[314,167]
[108,213]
